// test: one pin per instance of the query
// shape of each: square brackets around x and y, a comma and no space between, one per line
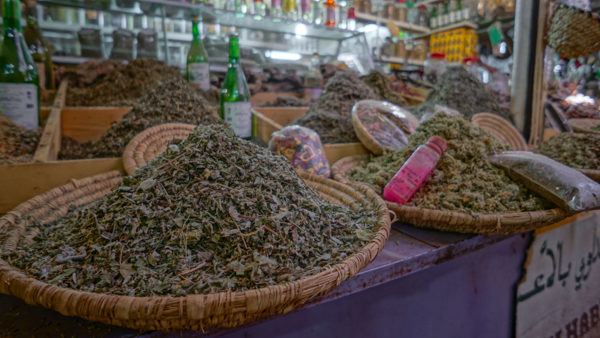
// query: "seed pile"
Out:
[459,90]
[171,101]
[123,84]
[581,151]
[214,213]
[16,144]
[381,85]
[331,115]
[464,179]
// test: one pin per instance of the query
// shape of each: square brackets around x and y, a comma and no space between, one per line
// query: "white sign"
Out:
[559,294]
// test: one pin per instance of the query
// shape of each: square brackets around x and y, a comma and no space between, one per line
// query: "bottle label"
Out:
[410,177]
[19,102]
[238,115]
[199,75]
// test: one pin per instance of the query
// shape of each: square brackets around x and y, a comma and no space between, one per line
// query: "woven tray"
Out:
[195,312]
[146,145]
[584,125]
[573,32]
[456,221]
[501,129]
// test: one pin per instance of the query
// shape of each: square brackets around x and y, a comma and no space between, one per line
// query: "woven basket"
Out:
[456,221]
[500,129]
[146,145]
[195,312]
[584,125]
[573,32]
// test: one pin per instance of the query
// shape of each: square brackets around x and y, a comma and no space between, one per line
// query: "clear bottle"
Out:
[235,107]
[40,49]
[317,15]
[259,10]
[330,13]
[19,79]
[351,24]
[341,17]
[305,10]
[415,171]
[290,9]
[276,11]
[197,68]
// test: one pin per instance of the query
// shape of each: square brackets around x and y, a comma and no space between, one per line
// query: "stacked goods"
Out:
[581,151]
[459,90]
[214,213]
[381,85]
[120,84]
[170,101]
[331,115]
[464,179]
[16,143]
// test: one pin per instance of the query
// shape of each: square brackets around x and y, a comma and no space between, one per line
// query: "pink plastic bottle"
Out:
[415,171]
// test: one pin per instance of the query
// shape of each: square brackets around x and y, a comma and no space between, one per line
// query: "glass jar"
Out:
[435,66]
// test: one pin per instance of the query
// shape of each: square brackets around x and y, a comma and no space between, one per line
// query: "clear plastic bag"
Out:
[302,147]
[564,186]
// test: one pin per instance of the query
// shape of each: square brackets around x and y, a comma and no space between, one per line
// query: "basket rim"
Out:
[290,294]
[516,140]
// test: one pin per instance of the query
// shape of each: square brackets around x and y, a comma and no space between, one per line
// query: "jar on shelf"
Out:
[401,49]
[423,18]
[435,66]
[388,11]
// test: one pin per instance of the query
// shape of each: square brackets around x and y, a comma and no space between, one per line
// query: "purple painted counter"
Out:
[423,284]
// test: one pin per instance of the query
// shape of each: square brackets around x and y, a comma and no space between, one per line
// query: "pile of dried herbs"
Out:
[597,127]
[581,151]
[17,144]
[214,213]
[174,100]
[459,90]
[381,85]
[122,85]
[331,115]
[464,179]
[286,101]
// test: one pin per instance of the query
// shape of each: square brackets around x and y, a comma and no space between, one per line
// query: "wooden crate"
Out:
[271,119]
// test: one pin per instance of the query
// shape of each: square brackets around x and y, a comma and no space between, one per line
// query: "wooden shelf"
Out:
[401,24]
[469,24]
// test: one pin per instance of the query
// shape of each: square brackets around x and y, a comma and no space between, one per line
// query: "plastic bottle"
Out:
[415,171]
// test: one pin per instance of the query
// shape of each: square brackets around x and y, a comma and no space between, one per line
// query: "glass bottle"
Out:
[305,10]
[39,49]
[351,24]
[317,15]
[235,107]
[19,79]
[197,60]
[433,17]
[330,13]
[276,11]
[260,9]
[415,171]
[290,9]
[313,81]
[341,14]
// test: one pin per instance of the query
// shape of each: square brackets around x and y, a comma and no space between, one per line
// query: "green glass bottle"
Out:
[197,60]
[19,81]
[235,97]
[39,49]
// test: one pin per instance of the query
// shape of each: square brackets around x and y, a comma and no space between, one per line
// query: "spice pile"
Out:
[171,101]
[122,85]
[464,179]
[331,115]
[16,143]
[214,213]
[381,85]
[581,151]
[459,90]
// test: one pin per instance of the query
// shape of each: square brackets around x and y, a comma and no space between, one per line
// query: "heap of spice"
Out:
[122,85]
[381,85]
[331,115]
[214,213]
[459,90]
[464,179]
[16,143]
[581,151]
[170,101]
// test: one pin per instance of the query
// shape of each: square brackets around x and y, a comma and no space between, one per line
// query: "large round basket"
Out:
[501,129]
[195,312]
[585,125]
[573,32]
[456,221]
[146,145]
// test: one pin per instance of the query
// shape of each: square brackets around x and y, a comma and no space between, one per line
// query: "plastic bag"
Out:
[302,147]
[566,187]
[382,126]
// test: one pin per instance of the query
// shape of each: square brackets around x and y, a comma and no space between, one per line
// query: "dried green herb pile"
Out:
[286,101]
[17,144]
[174,100]
[464,179]
[576,150]
[214,213]
[459,90]
[381,85]
[331,115]
[123,84]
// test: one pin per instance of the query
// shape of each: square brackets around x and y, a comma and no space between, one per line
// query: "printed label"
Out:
[238,116]
[19,102]
[199,75]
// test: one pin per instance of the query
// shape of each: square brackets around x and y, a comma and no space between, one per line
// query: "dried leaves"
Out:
[576,150]
[218,214]
[382,86]
[16,144]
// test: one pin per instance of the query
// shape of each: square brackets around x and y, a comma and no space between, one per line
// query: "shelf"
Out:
[468,24]
[401,24]
[402,61]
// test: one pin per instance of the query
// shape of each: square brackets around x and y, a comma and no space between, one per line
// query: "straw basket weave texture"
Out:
[456,221]
[573,32]
[148,144]
[500,129]
[585,125]
[195,312]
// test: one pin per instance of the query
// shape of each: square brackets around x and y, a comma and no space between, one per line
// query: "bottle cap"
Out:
[438,144]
